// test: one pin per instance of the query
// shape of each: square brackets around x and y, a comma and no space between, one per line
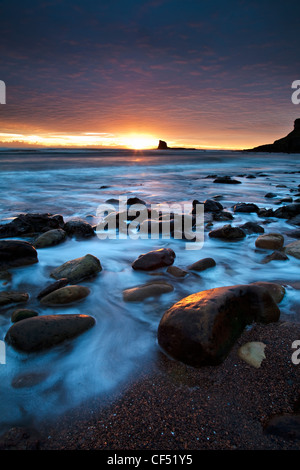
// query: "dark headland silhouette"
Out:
[288,144]
[162,145]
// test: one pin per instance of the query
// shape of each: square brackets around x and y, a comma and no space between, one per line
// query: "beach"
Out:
[113,387]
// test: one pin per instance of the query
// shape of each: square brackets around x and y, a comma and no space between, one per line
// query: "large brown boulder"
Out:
[43,332]
[14,253]
[154,259]
[270,241]
[201,328]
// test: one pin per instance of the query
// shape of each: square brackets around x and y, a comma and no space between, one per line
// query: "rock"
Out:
[162,145]
[245,207]
[293,249]
[265,212]
[15,253]
[294,220]
[286,199]
[142,292]
[275,256]
[135,200]
[22,313]
[270,241]
[45,331]
[154,259]
[226,180]
[65,295]
[50,238]
[78,269]
[252,227]
[202,328]
[287,426]
[7,298]
[276,291]
[211,206]
[5,276]
[288,211]
[202,264]
[270,195]
[79,229]
[30,224]
[26,380]
[252,353]
[176,271]
[227,232]
[293,234]
[52,287]
[288,144]
[222,215]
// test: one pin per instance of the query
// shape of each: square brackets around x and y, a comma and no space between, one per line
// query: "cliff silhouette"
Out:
[287,144]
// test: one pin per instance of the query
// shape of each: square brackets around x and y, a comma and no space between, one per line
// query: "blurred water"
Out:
[74,184]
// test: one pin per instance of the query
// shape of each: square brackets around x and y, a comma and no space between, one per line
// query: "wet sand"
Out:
[170,406]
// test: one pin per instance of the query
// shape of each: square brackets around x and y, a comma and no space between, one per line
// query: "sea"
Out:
[74,183]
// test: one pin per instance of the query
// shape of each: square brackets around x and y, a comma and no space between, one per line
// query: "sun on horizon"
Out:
[139,141]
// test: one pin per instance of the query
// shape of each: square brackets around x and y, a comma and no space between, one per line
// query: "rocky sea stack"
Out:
[288,144]
[162,145]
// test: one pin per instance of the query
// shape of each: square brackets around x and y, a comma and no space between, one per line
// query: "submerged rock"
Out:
[176,271]
[270,195]
[154,259]
[45,331]
[142,292]
[15,253]
[293,249]
[78,269]
[50,238]
[202,328]
[29,379]
[252,227]
[52,287]
[202,264]
[222,216]
[65,295]
[22,313]
[226,180]
[275,256]
[7,298]
[294,220]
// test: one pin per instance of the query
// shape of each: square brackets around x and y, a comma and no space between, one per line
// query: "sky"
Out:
[201,73]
